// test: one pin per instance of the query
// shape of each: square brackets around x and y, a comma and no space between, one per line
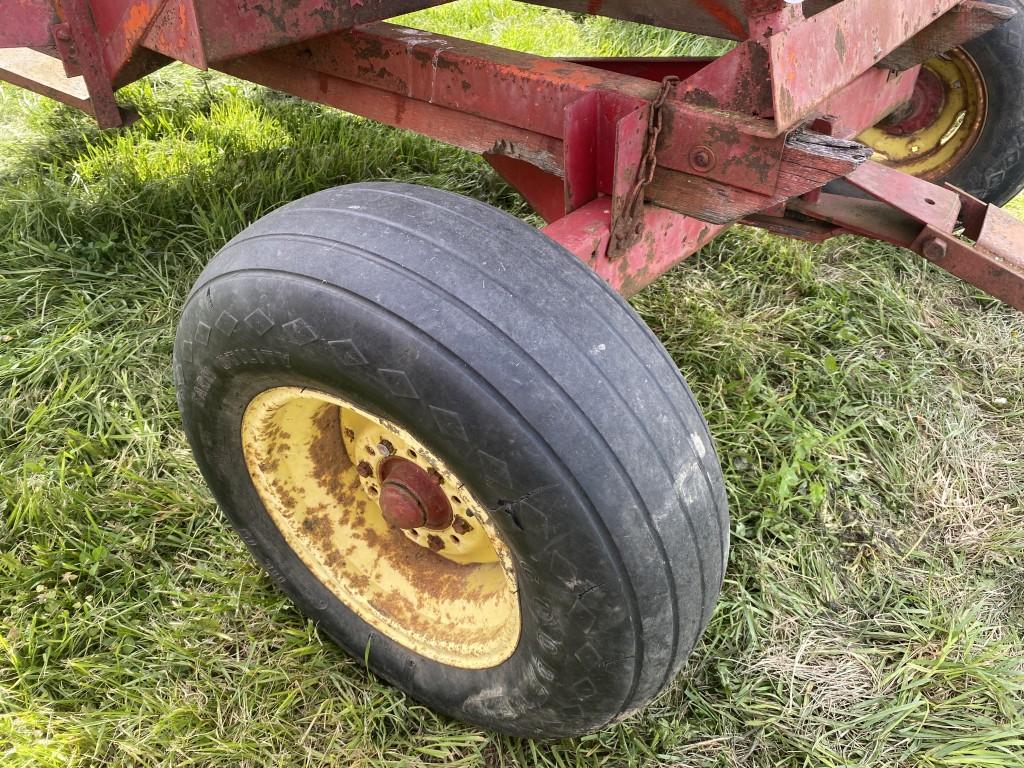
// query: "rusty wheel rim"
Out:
[444,588]
[941,125]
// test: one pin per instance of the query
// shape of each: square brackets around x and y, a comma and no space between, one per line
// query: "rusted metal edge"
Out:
[813,60]
[964,23]
[993,263]
[89,58]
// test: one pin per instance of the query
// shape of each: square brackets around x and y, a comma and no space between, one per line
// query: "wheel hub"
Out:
[924,108]
[410,498]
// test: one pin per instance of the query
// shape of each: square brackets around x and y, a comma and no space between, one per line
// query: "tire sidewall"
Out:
[994,168]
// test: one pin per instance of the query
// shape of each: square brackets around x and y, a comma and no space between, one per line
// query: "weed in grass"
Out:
[867,409]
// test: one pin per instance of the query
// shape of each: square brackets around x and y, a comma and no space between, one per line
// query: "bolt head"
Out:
[702,158]
[935,249]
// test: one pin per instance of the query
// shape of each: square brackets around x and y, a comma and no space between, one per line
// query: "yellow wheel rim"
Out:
[941,125]
[449,595]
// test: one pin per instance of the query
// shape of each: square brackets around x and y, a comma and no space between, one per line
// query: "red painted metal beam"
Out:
[785,74]
[558,116]
[529,93]
[866,101]
[26,23]
[998,273]
[477,134]
[232,28]
[88,59]
[812,61]
[545,192]
[121,25]
[669,238]
[522,90]
[923,217]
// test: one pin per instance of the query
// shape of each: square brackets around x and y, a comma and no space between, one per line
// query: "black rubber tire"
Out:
[993,170]
[581,436]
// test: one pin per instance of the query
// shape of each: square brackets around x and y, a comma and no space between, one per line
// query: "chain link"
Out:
[627,228]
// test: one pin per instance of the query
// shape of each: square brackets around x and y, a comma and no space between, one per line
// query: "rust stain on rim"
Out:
[450,595]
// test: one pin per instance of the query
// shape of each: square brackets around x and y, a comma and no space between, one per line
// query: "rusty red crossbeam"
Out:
[637,163]
[432,83]
[566,133]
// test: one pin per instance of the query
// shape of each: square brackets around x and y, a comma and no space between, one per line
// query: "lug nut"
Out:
[364,469]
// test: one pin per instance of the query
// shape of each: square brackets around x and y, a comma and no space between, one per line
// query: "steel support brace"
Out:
[923,217]
[85,52]
[787,72]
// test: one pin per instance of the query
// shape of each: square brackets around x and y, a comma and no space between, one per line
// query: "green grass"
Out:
[867,407]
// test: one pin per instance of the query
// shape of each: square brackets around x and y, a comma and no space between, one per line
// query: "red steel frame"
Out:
[636,163]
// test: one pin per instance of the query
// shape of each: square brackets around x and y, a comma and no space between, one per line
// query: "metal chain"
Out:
[627,228]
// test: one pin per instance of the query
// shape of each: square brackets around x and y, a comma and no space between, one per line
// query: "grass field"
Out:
[868,410]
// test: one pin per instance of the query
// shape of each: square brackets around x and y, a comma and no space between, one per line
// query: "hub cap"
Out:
[384,525]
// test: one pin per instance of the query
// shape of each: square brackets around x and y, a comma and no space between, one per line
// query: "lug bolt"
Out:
[364,469]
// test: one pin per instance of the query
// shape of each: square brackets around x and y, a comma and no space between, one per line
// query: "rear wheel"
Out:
[965,124]
[459,452]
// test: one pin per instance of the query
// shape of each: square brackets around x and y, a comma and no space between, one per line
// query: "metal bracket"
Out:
[85,57]
[65,44]
[628,208]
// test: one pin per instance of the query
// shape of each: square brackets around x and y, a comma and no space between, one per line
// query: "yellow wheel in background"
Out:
[932,134]
[965,123]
